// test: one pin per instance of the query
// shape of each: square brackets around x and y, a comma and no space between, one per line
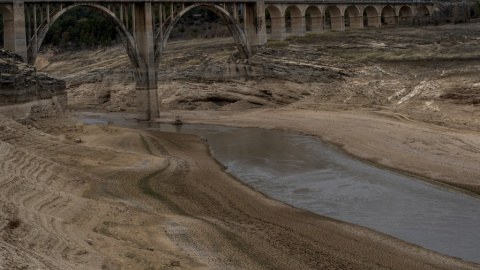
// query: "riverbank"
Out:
[81,196]
[130,199]
[443,156]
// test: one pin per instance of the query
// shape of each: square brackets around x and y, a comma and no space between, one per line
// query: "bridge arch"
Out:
[333,18]
[423,13]
[124,34]
[137,51]
[297,20]
[405,14]
[232,24]
[315,20]
[352,17]
[6,10]
[372,17]
[388,15]
[277,22]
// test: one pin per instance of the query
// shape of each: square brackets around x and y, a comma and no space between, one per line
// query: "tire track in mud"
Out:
[167,186]
[300,240]
[26,182]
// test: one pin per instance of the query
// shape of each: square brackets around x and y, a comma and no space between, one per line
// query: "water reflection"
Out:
[304,172]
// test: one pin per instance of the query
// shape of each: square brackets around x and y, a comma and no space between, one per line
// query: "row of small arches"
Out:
[318,18]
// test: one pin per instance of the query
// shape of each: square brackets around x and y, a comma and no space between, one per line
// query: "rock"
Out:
[175,263]
[90,241]
[78,140]
[82,252]
[20,83]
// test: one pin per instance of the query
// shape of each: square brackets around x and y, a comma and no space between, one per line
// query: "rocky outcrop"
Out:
[20,83]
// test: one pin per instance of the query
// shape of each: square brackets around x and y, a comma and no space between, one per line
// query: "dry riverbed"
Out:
[402,98]
[130,199]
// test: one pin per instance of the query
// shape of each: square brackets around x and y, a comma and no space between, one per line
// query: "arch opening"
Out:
[370,17]
[352,17]
[423,15]
[388,16]
[405,15]
[125,36]
[199,23]
[313,20]
[333,18]
[276,22]
[231,23]
[79,27]
[294,21]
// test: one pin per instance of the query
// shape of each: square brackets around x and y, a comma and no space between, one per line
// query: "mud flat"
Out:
[129,199]
[302,171]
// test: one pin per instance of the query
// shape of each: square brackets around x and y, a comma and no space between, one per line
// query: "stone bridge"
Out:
[145,25]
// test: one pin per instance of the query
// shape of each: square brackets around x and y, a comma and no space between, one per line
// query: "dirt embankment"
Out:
[20,83]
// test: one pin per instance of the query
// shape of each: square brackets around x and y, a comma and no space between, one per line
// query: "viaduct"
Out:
[145,25]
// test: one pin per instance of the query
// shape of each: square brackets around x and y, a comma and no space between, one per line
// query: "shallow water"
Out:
[304,172]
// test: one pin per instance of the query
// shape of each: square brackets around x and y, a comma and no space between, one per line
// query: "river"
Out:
[306,173]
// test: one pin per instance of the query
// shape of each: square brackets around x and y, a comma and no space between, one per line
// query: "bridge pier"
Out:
[146,79]
[375,21]
[337,23]
[256,27]
[278,28]
[356,22]
[316,23]
[14,29]
[298,26]
[390,20]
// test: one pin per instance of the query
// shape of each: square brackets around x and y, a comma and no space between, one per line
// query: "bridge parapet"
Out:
[229,1]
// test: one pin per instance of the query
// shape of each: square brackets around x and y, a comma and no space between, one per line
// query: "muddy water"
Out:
[304,172]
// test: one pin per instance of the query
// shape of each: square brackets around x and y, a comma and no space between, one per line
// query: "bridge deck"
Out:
[233,1]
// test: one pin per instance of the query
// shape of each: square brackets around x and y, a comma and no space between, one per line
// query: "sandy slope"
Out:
[128,199]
